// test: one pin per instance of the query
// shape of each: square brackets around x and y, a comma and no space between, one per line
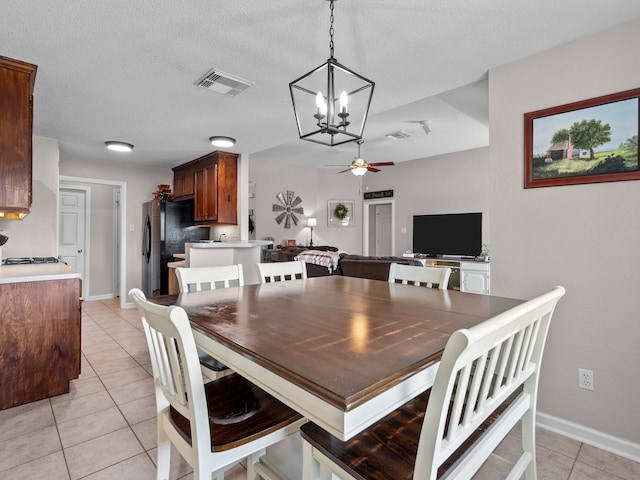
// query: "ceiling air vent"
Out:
[224,83]
[400,134]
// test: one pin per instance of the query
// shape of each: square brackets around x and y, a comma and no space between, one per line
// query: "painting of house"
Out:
[564,149]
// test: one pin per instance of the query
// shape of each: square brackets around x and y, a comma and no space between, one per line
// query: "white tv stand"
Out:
[467,275]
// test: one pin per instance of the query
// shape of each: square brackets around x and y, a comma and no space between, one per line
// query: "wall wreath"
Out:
[341,211]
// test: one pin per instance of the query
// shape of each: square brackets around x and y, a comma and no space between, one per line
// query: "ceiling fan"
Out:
[424,123]
[359,166]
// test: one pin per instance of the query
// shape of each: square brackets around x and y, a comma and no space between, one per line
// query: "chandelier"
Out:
[331,102]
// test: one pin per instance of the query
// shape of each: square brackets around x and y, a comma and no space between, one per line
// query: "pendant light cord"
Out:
[331,30]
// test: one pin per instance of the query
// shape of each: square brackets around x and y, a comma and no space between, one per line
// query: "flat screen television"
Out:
[455,234]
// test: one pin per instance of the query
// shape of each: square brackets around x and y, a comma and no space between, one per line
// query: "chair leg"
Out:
[164,456]
[529,442]
[251,461]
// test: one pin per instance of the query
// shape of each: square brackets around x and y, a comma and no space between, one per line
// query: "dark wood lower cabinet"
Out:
[39,339]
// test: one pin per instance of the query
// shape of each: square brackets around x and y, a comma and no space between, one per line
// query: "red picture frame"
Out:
[589,141]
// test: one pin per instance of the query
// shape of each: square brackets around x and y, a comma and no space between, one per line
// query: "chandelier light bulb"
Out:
[320,105]
[344,100]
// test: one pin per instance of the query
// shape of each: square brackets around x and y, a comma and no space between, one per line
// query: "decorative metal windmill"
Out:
[288,208]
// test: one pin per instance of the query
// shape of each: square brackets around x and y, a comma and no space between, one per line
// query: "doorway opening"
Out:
[378,227]
[114,230]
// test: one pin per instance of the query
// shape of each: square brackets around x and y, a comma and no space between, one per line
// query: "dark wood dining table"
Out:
[342,351]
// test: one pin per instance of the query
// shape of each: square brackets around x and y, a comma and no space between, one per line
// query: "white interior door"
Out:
[72,240]
[383,230]
[378,227]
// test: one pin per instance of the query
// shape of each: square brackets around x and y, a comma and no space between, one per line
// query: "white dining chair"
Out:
[486,383]
[432,277]
[195,279]
[281,271]
[216,425]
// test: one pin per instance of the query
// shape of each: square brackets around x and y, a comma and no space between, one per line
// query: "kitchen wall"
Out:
[584,237]
[37,234]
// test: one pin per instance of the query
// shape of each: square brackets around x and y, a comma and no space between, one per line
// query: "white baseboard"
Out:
[592,437]
[106,296]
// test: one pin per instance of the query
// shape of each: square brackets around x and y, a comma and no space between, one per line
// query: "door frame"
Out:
[86,267]
[366,204]
[65,179]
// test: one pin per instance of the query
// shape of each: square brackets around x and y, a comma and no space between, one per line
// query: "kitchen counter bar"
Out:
[36,272]
[210,254]
[232,244]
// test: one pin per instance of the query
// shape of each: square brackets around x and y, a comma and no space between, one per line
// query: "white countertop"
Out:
[36,272]
[231,244]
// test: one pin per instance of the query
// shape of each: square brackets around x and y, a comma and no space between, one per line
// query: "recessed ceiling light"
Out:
[118,146]
[219,141]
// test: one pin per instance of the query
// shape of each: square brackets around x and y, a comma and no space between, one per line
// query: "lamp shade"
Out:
[312,222]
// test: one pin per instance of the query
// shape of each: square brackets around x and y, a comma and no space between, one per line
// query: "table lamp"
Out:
[311,222]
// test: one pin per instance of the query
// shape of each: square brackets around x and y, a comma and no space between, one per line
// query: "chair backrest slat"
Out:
[281,271]
[432,277]
[196,279]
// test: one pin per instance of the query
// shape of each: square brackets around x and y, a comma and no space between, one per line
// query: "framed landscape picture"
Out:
[589,141]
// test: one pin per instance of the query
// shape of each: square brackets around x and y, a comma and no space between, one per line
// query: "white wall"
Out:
[36,235]
[584,237]
[141,182]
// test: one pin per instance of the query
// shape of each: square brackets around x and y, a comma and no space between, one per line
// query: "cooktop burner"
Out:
[25,260]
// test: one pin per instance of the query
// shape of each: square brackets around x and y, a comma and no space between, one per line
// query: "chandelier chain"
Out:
[331,30]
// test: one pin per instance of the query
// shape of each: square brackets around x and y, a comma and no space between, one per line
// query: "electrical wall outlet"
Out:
[585,379]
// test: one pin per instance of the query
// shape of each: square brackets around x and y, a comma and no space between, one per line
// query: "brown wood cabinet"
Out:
[39,339]
[16,124]
[212,181]
[183,181]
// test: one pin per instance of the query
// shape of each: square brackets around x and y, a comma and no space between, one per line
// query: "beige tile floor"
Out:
[105,427]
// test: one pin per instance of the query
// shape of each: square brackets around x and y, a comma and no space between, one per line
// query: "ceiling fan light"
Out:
[118,146]
[359,171]
[221,141]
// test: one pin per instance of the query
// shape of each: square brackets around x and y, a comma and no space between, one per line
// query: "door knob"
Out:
[80,251]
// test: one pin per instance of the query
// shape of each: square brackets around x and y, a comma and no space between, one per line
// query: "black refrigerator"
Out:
[167,226]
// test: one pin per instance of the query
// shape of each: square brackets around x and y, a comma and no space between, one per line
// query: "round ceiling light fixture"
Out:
[221,141]
[118,146]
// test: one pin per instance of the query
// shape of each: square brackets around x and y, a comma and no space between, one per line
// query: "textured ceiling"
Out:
[125,70]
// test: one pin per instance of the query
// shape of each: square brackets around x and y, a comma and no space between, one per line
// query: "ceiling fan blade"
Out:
[347,170]
[372,169]
[382,164]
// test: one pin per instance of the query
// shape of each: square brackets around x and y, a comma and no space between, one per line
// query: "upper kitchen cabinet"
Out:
[183,181]
[212,181]
[16,124]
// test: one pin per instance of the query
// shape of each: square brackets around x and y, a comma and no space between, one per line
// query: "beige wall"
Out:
[584,237]
[37,234]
